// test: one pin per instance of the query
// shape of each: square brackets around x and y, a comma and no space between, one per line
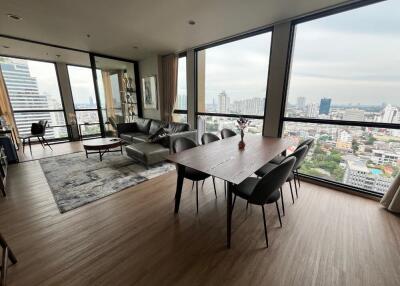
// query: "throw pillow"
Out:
[158,136]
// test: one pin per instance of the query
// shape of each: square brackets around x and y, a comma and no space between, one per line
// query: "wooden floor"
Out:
[38,152]
[133,238]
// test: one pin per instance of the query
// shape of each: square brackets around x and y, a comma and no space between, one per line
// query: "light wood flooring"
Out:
[38,152]
[134,238]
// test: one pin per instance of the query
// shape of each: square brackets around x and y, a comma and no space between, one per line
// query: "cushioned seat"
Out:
[127,137]
[139,138]
[147,153]
[246,188]
[278,159]
[268,168]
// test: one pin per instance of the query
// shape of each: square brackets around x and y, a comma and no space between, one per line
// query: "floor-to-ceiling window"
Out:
[232,82]
[34,95]
[85,103]
[180,108]
[344,91]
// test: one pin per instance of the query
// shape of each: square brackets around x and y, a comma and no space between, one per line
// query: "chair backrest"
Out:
[182,144]
[208,138]
[300,154]
[39,128]
[309,142]
[272,181]
[225,133]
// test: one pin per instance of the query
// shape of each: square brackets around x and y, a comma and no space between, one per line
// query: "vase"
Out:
[242,145]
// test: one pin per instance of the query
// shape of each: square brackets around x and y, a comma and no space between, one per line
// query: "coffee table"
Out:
[102,145]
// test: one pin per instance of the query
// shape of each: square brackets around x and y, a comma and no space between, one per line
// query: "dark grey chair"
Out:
[182,144]
[38,130]
[300,155]
[265,190]
[309,142]
[225,133]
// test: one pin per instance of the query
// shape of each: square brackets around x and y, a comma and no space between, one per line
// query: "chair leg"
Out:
[197,196]
[30,146]
[215,190]
[265,226]
[47,143]
[192,185]
[41,142]
[202,184]
[291,191]
[295,187]
[234,200]
[283,204]
[279,213]
[247,205]
[23,145]
[298,178]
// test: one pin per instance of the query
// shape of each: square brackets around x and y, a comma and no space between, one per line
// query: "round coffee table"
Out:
[102,145]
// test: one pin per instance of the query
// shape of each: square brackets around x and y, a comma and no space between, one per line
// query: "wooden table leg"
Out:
[228,214]
[179,184]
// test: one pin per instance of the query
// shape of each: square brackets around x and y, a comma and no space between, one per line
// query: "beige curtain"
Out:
[5,107]
[108,94]
[391,200]
[169,85]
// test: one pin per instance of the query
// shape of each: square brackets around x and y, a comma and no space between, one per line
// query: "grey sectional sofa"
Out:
[136,136]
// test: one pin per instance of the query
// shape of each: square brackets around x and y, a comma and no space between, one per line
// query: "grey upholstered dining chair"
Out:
[300,155]
[182,144]
[265,190]
[225,133]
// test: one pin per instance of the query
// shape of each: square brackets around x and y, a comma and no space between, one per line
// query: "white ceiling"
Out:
[154,26]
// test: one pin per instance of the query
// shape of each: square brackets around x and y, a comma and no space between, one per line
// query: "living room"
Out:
[199,143]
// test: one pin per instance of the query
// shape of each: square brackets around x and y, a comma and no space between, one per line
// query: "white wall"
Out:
[147,67]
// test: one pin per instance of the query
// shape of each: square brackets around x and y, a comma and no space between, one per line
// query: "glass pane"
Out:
[362,157]
[232,78]
[214,124]
[346,66]
[31,85]
[88,122]
[24,122]
[82,86]
[179,117]
[181,99]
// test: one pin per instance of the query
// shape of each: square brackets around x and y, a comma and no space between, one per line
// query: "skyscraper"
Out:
[223,102]
[301,102]
[24,94]
[325,106]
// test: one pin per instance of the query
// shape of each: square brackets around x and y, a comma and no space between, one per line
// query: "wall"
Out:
[147,67]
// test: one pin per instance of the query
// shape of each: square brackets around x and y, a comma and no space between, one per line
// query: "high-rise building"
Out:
[252,106]
[24,94]
[354,114]
[390,114]
[223,102]
[325,106]
[301,102]
[312,110]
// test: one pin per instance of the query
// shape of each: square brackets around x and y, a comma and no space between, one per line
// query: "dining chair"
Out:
[225,133]
[182,144]
[278,159]
[299,154]
[264,191]
[205,139]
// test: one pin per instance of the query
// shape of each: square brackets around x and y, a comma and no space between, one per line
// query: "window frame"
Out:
[53,140]
[182,111]
[283,118]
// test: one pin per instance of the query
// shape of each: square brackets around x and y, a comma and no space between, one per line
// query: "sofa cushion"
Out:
[158,136]
[147,153]
[127,136]
[155,125]
[139,137]
[176,127]
[143,125]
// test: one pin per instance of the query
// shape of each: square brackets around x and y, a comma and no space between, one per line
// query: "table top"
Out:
[224,160]
[102,142]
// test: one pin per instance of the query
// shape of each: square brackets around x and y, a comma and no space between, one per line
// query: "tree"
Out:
[354,145]
[371,139]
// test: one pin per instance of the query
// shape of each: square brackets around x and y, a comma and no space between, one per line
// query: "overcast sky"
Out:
[351,57]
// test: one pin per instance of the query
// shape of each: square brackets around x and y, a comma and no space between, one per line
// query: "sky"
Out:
[352,57]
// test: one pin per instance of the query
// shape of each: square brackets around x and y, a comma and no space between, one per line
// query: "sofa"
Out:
[136,136]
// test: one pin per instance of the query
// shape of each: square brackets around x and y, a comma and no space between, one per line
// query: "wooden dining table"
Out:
[223,159]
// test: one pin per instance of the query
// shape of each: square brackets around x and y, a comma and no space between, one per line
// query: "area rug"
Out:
[75,180]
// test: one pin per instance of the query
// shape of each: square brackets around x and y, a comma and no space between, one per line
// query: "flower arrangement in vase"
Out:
[243,123]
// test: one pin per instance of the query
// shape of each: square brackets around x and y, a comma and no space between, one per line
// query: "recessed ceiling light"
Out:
[14,17]
[135,47]
[88,35]
[58,56]
[6,47]
[191,22]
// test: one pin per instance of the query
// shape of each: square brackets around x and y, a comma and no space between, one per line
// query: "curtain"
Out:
[391,200]
[5,107]
[108,95]
[169,85]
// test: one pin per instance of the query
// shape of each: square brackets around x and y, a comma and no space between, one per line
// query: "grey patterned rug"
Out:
[76,181]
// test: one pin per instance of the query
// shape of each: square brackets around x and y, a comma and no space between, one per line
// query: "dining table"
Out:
[224,160]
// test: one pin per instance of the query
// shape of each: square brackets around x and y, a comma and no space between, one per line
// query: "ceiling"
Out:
[135,29]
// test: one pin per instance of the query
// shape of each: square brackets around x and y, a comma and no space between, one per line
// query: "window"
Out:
[34,94]
[85,103]
[343,91]
[231,82]
[180,109]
